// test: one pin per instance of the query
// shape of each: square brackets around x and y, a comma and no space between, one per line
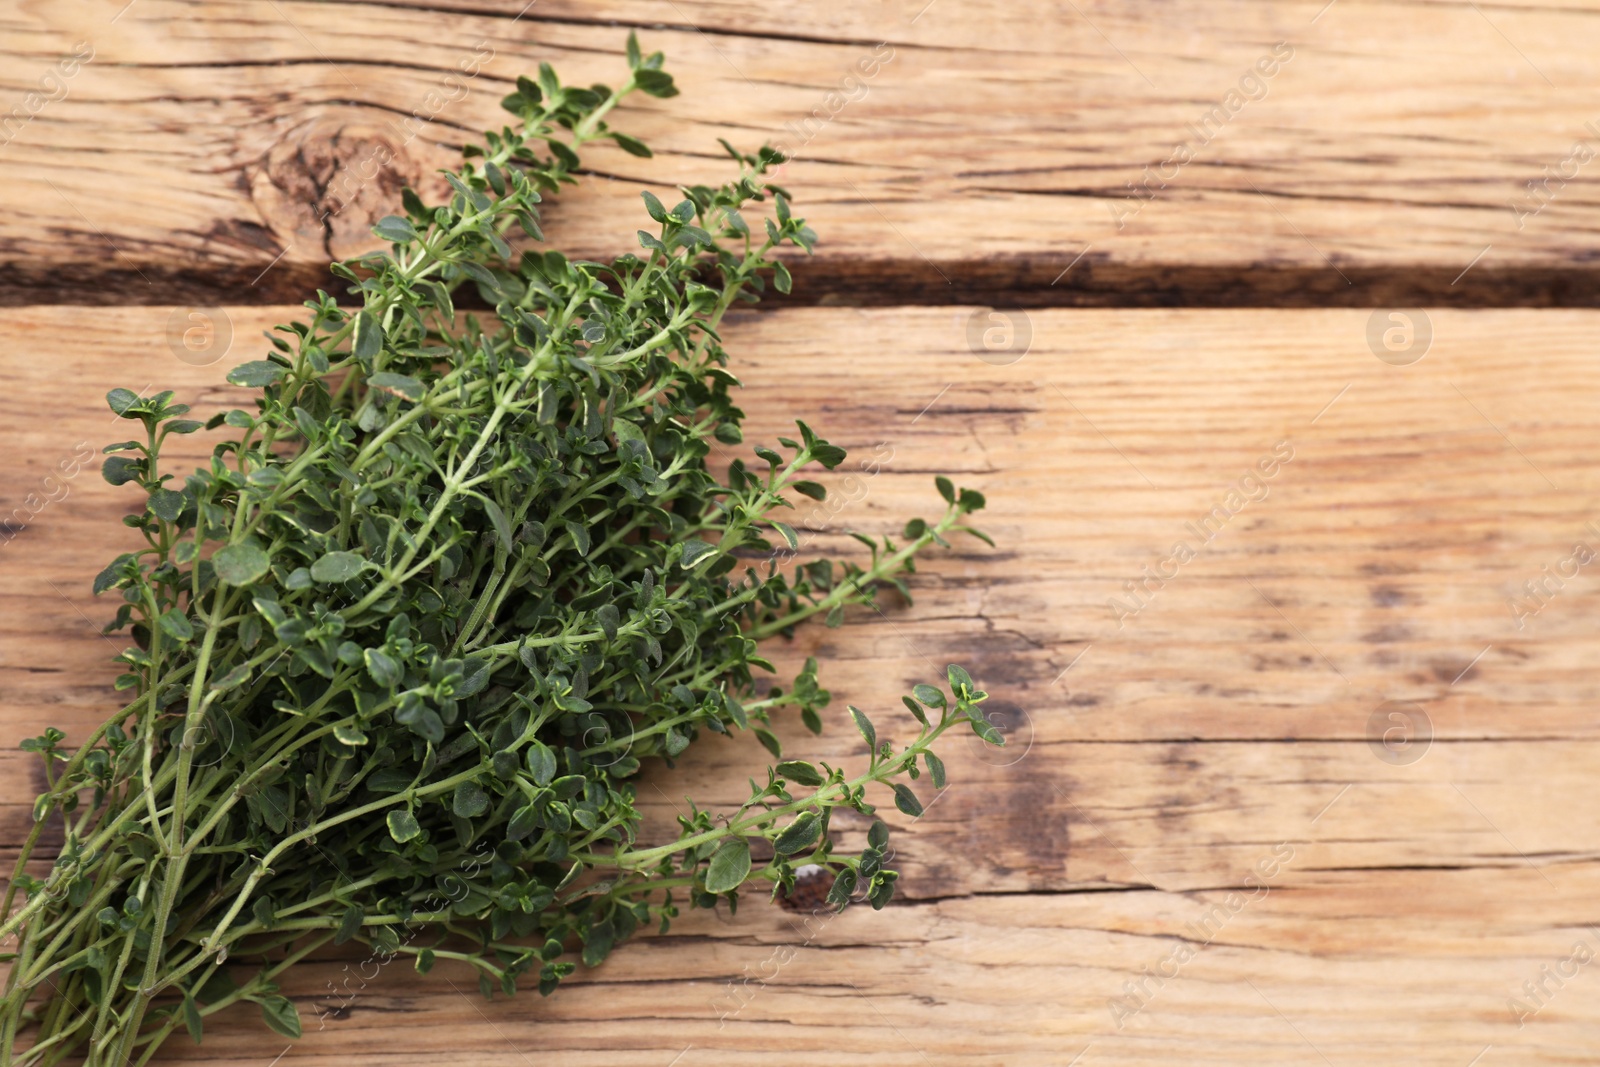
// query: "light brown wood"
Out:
[223,151]
[1156,766]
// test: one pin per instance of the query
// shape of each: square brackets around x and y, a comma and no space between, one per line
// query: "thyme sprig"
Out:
[401,649]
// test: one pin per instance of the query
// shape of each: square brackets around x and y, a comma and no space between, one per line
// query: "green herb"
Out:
[401,649]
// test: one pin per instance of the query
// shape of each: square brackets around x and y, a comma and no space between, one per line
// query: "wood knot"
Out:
[324,183]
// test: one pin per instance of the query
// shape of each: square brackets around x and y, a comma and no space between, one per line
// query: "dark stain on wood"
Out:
[1395,633]
[810,891]
[1451,671]
[1388,596]
[1000,281]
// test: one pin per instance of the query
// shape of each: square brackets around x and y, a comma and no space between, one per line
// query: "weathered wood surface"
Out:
[1221,730]
[952,151]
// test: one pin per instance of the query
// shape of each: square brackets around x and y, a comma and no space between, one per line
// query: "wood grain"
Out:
[1155,766]
[1393,967]
[221,152]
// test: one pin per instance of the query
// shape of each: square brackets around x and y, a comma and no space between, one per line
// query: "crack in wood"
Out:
[1021,282]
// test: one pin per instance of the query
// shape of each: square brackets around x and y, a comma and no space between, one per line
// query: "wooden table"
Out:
[1300,760]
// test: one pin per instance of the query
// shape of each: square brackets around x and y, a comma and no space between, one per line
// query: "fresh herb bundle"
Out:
[402,647]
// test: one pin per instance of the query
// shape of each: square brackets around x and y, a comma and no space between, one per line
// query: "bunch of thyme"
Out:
[401,648]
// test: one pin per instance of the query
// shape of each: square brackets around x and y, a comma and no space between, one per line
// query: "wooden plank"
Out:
[1226,721]
[1392,967]
[960,151]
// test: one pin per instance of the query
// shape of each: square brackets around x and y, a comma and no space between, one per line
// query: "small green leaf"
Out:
[985,729]
[657,210]
[347,733]
[736,711]
[864,724]
[524,822]
[240,564]
[496,178]
[906,800]
[218,986]
[349,924]
[236,677]
[632,145]
[929,695]
[916,709]
[175,624]
[368,340]
[694,551]
[541,763]
[814,490]
[787,532]
[598,940]
[829,456]
[394,229]
[769,741]
[946,490]
[249,634]
[256,373]
[843,886]
[800,772]
[192,1019]
[935,769]
[882,889]
[655,82]
[401,385]
[403,826]
[337,567]
[470,800]
[280,1014]
[580,537]
[120,470]
[167,504]
[729,866]
[121,400]
[384,670]
[798,834]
